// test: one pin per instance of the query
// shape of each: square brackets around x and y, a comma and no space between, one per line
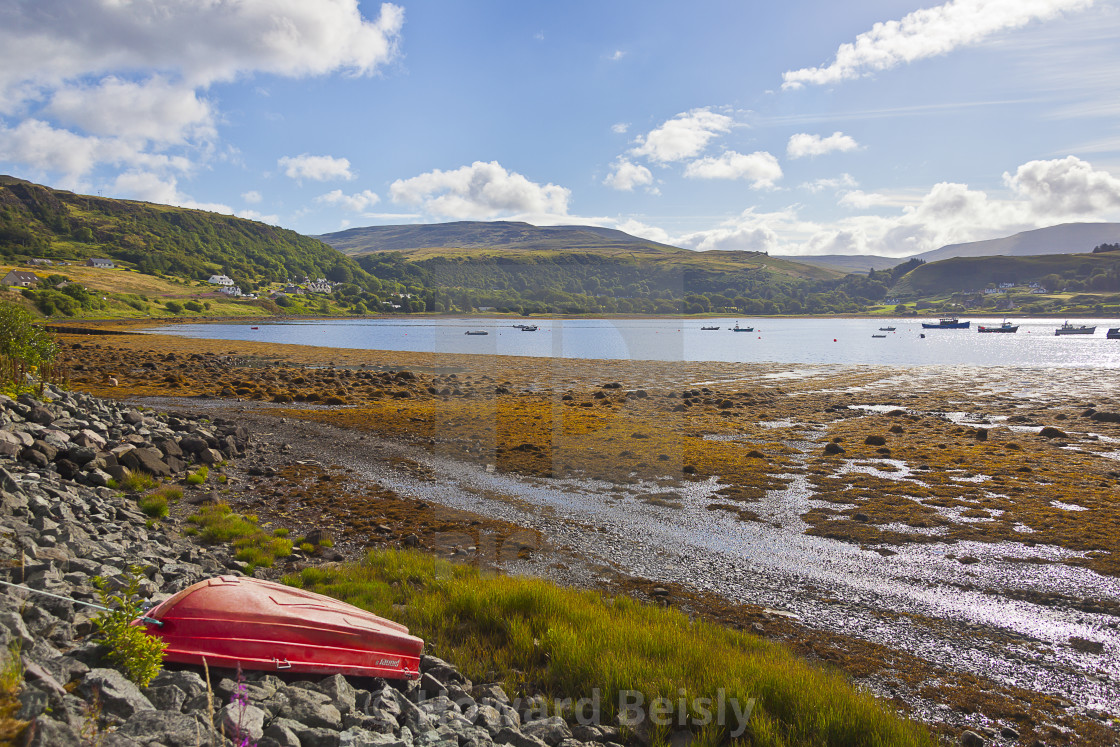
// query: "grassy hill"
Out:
[1056,272]
[37,221]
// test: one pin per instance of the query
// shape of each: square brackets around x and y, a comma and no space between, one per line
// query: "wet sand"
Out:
[946,554]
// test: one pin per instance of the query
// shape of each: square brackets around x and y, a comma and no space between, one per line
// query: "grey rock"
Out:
[487,717]
[517,739]
[492,690]
[315,736]
[340,691]
[360,738]
[972,739]
[32,703]
[46,732]
[304,708]
[242,720]
[167,728]
[118,695]
[166,697]
[552,730]
[279,734]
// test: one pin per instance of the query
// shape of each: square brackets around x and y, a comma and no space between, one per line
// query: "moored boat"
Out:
[1006,326]
[946,323]
[476,332]
[878,335]
[1113,333]
[737,328]
[527,327]
[1074,329]
[229,621]
[708,329]
[886,329]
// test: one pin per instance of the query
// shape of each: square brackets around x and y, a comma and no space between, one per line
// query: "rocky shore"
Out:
[61,525]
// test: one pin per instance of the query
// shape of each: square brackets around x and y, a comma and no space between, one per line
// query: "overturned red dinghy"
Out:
[231,620]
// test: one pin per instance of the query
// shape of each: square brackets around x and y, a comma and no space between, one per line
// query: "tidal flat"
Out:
[948,536]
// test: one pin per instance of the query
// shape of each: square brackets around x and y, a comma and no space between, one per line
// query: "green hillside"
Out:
[1098,272]
[37,221]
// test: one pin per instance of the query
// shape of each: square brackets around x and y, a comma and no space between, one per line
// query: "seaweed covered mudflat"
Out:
[950,536]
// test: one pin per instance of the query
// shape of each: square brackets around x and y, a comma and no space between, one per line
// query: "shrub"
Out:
[198,476]
[138,482]
[192,306]
[138,655]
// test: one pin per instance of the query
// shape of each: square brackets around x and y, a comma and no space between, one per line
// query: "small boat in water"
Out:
[1074,329]
[476,332]
[946,323]
[737,328]
[1113,333]
[709,329]
[878,335]
[527,327]
[231,621]
[1006,326]
[886,329]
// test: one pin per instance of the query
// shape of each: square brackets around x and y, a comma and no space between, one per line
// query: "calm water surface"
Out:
[844,341]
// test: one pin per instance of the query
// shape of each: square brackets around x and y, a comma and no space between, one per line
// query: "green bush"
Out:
[138,655]
[153,505]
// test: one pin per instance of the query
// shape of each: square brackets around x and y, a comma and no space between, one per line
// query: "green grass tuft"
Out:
[218,523]
[568,642]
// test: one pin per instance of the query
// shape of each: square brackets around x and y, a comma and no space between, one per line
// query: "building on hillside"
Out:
[220,280]
[293,290]
[20,278]
[100,262]
[319,286]
[39,261]
[231,290]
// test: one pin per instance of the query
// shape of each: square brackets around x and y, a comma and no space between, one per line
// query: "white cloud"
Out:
[1041,193]
[48,42]
[760,168]
[927,33]
[149,187]
[625,175]
[319,168]
[617,55]
[1065,186]
[153,110]
[620,128]
[683,136]
[844,181]
[644,231]
[357,202]
[122,83]
[803,144]
[480,191]
[252,197]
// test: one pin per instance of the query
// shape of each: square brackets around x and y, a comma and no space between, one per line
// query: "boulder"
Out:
[118,695]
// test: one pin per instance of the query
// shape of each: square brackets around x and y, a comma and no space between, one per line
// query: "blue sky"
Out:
[879,127]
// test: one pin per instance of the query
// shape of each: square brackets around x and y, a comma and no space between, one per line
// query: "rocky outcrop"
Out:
[63,526]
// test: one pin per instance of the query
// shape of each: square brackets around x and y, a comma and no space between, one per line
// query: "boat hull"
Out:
[954,325]
[232,621]
[1004,330]
[1113,334]
[1075,331]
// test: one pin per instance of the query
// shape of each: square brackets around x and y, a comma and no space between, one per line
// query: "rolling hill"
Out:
[1078,272]
[1067,238]
[38,221]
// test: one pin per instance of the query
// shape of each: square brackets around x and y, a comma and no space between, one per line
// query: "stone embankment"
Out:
[61,525]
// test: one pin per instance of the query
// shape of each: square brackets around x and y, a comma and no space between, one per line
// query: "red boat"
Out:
[232,620]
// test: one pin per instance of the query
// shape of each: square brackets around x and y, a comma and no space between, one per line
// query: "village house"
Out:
[319,286]
[20,278]
[100,262]
[232,290]
[293,290]
[39,261]
[220,280]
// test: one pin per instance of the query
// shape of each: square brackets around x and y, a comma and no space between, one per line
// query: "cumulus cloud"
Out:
[48,42]
[760,168]
[1065,186]
[644,231]
[803,144]
[1040,193]
[318,168]
[262,217]
[682,137]
[617,55]
[357,202]
[151,110]
[252,197]
[844,181]
[625,175]
[927,33]
[480,191]
[620,128]
[125,84]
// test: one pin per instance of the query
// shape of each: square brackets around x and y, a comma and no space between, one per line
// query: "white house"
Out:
[100,262]
[220,280]
[231,290]
[20,278]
